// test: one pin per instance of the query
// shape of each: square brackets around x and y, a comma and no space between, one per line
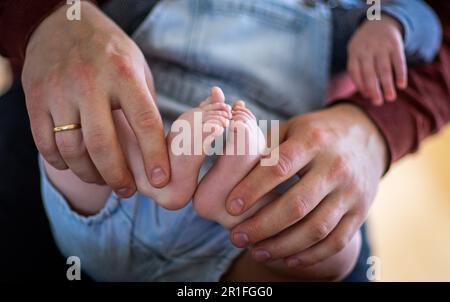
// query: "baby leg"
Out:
[186,146]
[84,198]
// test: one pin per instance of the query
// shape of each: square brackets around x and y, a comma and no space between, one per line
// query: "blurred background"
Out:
[409,223]
[5,76]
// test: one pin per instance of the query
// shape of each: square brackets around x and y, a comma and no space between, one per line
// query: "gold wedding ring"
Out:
[66,127]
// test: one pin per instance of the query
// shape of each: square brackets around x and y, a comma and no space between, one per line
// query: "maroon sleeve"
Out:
[423,108]
[18,19]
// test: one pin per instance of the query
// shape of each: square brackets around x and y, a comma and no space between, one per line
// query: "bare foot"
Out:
[244,147]
[212,116]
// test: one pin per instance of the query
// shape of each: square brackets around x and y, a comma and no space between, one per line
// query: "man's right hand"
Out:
[78,72]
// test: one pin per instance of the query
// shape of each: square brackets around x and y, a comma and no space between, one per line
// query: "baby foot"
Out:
[244,147]
[187,147]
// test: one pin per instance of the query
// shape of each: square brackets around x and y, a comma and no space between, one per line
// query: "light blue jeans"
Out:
[274,54]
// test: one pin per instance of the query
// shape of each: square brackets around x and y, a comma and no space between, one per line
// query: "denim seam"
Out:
[275,15]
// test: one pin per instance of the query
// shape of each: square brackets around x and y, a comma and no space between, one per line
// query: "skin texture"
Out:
[81,71]
[210,196]
[78,72]
[335,268]
[376,59]
[185,169]
[230,168]
[340,156]
[88,199]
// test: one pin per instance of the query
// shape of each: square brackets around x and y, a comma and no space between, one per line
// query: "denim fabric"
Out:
[261,50]
[134,239]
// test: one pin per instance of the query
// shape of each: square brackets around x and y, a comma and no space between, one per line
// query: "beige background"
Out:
[410,220]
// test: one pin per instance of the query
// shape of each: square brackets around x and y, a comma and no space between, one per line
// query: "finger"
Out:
[400,68]
[292,156]
[103,146]
[371,81]
[355,72]
[71,146]
[314,228]
[149,80]
[42,125]
[287,210]
[333,244]
[144,118]
[384,71]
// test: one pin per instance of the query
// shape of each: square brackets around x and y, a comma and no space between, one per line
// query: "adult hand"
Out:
[340,156]
[78,72]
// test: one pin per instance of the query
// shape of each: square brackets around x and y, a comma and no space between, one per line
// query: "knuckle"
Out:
[54,80]
[117,179]
[34,94]
[70,148]
[318,137]
[45,146]
[56,163]
[354,192]
[54,160]
[339,168]
[392,43]
[361,208]
[284,165]
[147,119]
[255,230]
[123,64]
[97,141]
[88,178]
[319,231]
[339,244]
[299,208]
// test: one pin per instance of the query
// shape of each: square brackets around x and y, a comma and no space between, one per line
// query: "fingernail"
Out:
[293,262]
[261,255]
[124,192]
[158,176]
[236,206]
[240,239]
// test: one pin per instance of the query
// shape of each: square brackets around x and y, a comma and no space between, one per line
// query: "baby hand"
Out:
[375,54]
